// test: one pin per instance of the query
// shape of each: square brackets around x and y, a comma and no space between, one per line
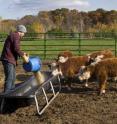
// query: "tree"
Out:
[45,18]
[8,25]
[37,27]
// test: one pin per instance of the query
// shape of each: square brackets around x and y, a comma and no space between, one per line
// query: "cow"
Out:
[101,71]
[69,67]
[93,57]
[97,56]
[53,65]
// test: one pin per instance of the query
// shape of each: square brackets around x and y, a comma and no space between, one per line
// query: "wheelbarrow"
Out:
[30,92]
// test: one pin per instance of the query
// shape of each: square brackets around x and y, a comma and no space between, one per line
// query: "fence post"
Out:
[79,44]
[115,38]
[45,45]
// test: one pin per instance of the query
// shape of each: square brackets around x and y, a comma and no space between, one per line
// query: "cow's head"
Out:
[97,59]
[55,69]
[64,56]
[93,61]
[85,74]
[62,59]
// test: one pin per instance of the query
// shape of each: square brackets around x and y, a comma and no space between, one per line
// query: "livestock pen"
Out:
[81,105]
[48,45]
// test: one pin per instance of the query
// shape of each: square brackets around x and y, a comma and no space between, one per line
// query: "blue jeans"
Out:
[10,76]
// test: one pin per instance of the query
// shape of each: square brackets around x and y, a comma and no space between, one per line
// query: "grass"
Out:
[50,48]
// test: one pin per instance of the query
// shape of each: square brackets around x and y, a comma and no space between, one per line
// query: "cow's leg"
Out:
[102,78]
[102,87]
[86,83]
[69,87]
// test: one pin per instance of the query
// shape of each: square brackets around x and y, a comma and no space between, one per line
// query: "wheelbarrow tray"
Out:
[26,93]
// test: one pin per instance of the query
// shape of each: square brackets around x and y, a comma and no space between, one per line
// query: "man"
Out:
[10,53]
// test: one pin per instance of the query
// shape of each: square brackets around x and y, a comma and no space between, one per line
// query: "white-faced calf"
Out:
[101,71]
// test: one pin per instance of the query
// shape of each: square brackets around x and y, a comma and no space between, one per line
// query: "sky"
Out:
[16,9]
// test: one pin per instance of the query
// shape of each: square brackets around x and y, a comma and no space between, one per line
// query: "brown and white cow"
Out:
[97,56]
[69,67]
[101,71]
[91,58]
[54,65]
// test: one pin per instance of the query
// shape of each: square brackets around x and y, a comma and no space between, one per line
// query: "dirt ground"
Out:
[79,106]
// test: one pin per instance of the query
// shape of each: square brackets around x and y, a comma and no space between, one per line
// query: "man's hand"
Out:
[25,58]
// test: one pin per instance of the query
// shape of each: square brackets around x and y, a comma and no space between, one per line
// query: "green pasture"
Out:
[48,49]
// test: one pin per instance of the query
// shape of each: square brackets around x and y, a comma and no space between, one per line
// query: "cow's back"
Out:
[107,66]
[72,66]
[105,53]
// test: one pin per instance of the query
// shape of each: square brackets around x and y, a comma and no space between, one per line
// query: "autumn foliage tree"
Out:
[65,20]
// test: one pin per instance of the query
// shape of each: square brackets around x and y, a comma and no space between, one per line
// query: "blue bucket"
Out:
[33,65]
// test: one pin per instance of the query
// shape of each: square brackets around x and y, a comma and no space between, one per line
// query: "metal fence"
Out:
[48,45]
